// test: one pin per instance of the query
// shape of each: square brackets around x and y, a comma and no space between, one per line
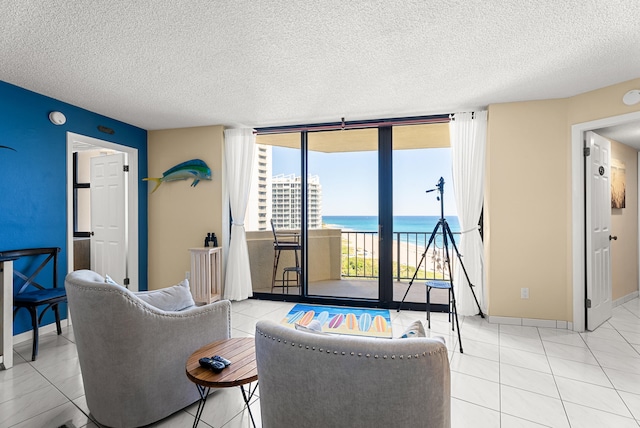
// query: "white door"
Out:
[109,217]
[598,221]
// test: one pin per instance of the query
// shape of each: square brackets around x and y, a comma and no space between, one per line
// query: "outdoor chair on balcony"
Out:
[285,241]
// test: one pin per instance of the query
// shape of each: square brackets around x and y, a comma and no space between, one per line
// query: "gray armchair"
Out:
[133,355]
[317,380]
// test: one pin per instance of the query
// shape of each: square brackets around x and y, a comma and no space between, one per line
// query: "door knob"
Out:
[615,238]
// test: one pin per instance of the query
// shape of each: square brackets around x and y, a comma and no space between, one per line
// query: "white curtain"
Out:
[239,146]
[468,133]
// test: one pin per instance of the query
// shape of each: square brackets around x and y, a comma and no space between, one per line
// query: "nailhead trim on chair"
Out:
[150,309]
[313,348]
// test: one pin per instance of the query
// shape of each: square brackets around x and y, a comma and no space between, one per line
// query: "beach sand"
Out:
[410,254]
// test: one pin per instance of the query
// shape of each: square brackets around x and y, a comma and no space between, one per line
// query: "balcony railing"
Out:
[360,255]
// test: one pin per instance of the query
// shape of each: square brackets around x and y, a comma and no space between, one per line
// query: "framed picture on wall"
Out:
[618,183]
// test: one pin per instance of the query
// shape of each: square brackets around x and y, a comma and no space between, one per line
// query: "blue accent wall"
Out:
[33,179]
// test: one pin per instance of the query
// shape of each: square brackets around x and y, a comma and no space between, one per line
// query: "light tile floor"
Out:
[508,376]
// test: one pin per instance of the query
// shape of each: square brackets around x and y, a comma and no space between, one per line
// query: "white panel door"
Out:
[598,221]
[109,216]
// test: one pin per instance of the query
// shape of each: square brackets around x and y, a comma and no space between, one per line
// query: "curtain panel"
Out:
[468,133]
[239,147]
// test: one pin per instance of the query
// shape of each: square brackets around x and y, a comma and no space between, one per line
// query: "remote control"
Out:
[223,360]
[210,363]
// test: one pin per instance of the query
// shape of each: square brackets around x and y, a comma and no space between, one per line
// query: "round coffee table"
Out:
[243,370]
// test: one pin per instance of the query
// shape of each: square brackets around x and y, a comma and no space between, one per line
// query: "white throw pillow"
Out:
[108,280]
[313,327]
[416,329]
[176,298]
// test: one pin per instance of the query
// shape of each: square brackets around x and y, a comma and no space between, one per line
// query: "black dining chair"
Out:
[32,294]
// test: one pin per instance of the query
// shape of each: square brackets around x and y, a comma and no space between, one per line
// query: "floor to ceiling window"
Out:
[343,257]
[363,219]
[275,206]
[421,157]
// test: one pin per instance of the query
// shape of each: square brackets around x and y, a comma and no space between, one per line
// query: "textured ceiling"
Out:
[169,64]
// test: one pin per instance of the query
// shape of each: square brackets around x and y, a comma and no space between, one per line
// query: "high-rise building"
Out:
[258,211]
[286,197]
[279,197]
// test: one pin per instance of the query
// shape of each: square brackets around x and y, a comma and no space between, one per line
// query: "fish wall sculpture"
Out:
[194,168]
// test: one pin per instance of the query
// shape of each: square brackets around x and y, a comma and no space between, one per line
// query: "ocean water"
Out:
[416,224]
[424,224]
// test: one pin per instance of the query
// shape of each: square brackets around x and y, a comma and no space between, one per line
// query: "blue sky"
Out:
[349,180]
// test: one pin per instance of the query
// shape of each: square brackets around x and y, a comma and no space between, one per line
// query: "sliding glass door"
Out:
[275,209]
[355,199]
[419,254]
[342,189]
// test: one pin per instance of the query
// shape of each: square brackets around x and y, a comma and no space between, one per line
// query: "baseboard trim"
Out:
[28,335]
[531,322]
[624,299]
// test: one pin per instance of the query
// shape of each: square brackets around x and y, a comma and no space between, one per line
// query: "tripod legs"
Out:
[464,270]
[453,308]
[446,236]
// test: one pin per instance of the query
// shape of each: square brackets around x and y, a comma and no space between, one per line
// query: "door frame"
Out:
[132,237]
[578,206]
[598,229]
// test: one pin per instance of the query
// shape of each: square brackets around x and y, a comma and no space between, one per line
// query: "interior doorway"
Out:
[76,143]
[579,204]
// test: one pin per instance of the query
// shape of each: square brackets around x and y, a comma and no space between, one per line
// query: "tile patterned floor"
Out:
[507,377]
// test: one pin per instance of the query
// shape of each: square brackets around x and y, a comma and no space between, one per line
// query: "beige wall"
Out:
[179,215]
[526,209]
[624,225]
[528,217]
[527,206]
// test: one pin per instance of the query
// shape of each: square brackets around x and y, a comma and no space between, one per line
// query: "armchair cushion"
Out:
[175,298]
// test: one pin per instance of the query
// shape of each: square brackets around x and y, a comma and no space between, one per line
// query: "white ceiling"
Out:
[170,64]
[628,134]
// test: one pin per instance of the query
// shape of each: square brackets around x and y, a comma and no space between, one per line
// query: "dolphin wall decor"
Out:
[194,168]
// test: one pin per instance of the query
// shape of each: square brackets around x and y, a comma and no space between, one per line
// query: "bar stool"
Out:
[286,279]
[291,242]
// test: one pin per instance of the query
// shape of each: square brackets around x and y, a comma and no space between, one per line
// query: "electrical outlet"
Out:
[187,274]
[524,293]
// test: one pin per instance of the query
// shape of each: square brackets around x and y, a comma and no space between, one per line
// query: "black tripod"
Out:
[446,236]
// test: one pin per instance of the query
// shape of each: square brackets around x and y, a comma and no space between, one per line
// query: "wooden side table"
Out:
[206,282]
[243,370]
